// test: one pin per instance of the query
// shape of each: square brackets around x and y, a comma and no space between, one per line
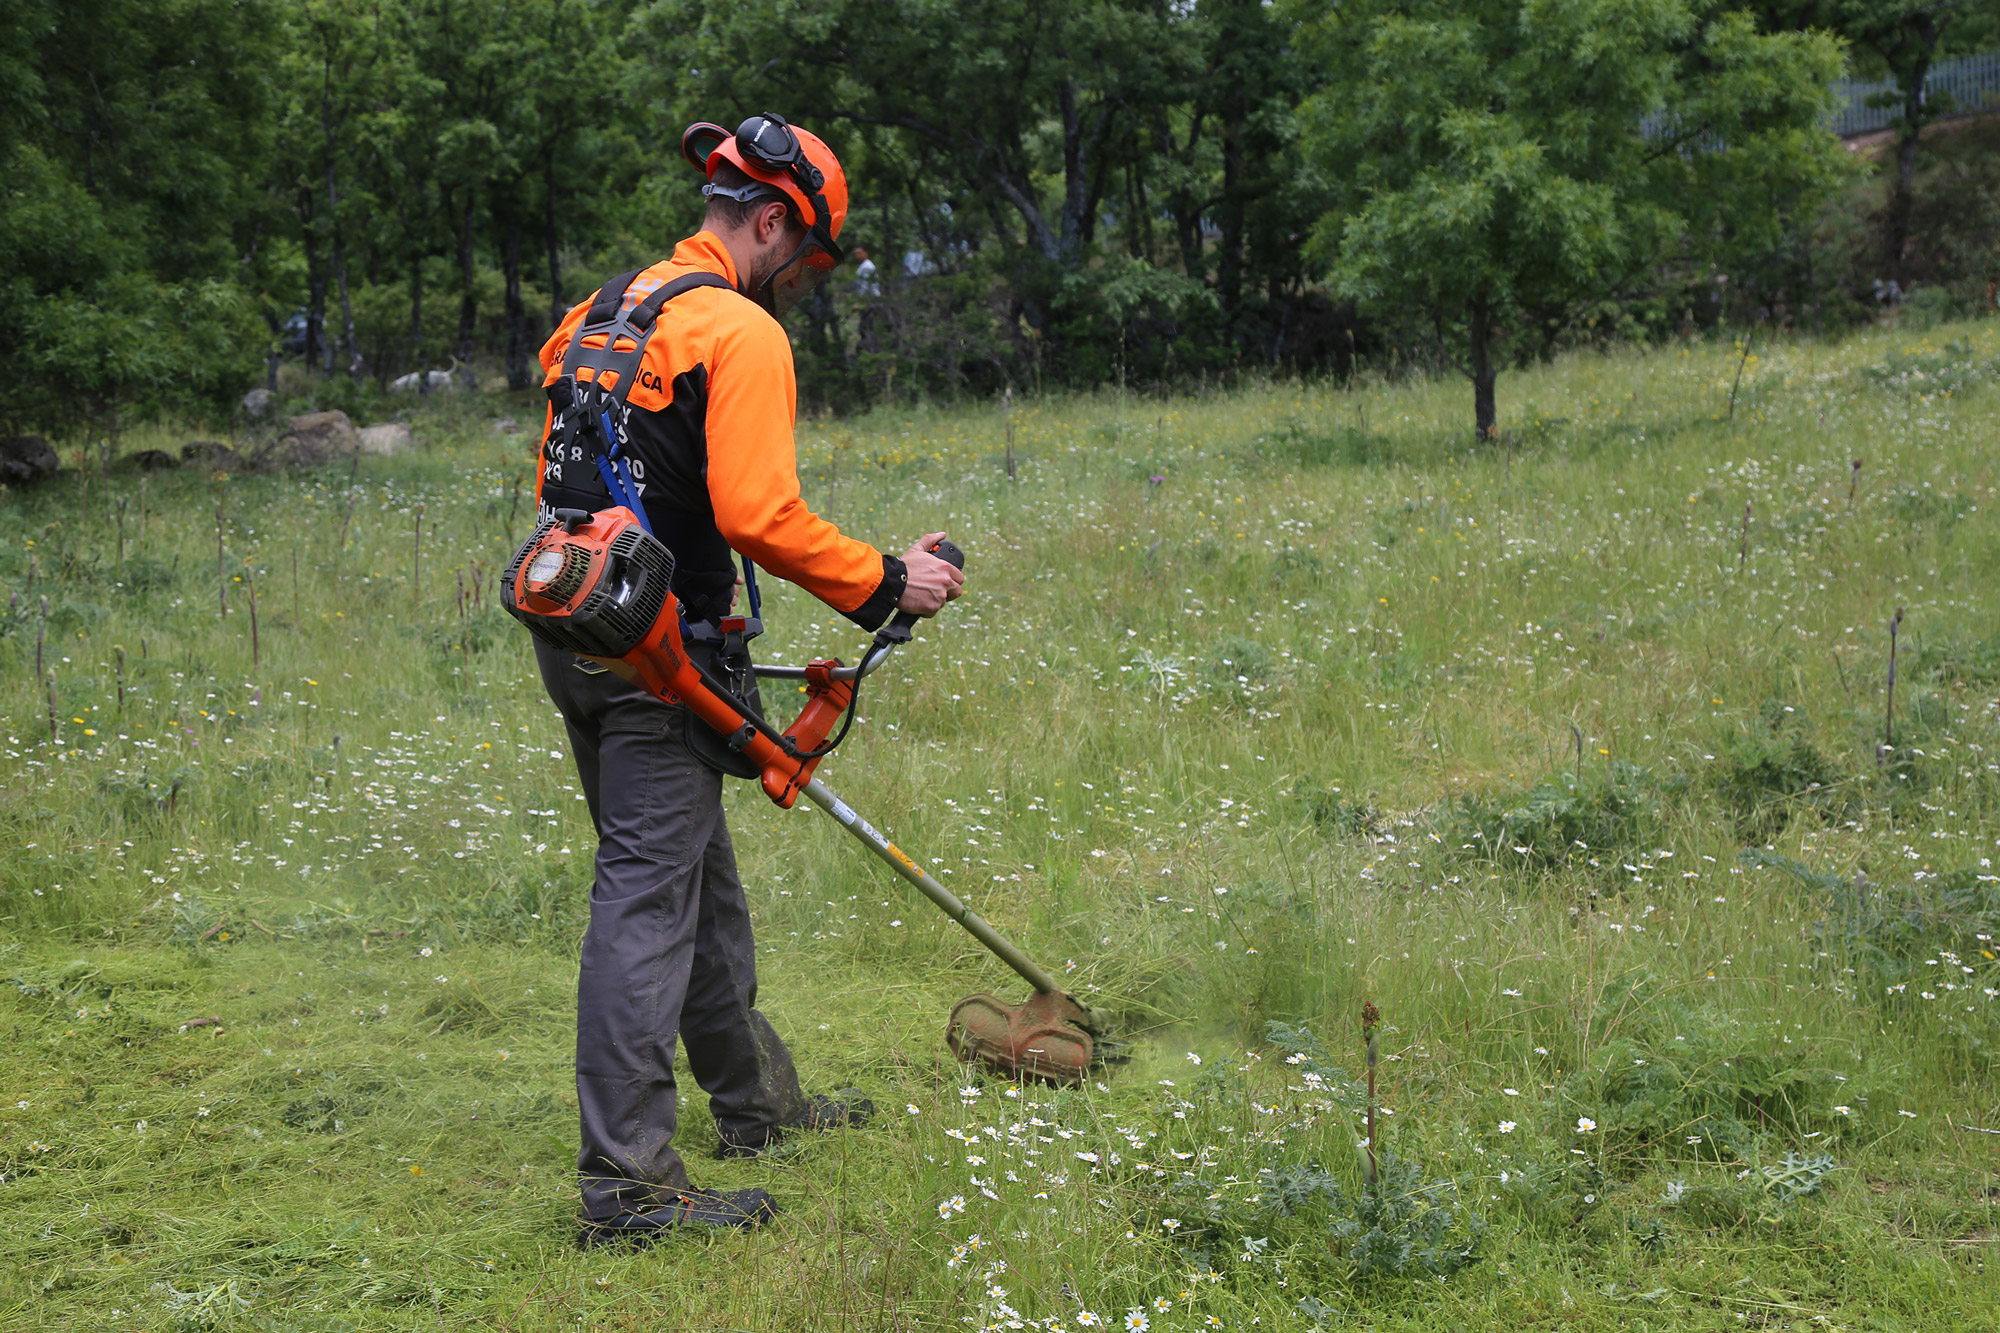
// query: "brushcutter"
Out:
[598,585]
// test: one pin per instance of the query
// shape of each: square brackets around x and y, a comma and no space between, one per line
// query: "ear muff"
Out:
[699,140]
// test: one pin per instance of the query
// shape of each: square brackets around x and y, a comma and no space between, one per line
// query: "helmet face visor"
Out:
[819,258]
[798,279]
[812,275]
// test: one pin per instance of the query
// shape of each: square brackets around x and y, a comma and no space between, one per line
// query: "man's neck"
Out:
[742,253]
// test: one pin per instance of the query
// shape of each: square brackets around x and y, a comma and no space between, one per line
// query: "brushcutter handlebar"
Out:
[897,631]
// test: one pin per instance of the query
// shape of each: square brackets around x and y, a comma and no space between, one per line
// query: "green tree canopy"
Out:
[1061,191]
[132,205]
[1499,164]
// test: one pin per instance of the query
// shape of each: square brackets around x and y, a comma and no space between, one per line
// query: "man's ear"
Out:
[771,219]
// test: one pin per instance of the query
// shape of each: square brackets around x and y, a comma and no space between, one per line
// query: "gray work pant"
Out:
[668,950]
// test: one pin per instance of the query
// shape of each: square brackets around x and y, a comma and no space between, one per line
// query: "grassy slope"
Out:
[1199,739]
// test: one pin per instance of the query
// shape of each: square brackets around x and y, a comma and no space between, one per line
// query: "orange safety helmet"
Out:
[793,161]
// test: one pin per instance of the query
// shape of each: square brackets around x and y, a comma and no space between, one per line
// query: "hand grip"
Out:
[947,551]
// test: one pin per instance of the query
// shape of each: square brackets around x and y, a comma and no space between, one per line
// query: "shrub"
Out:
[1304,1053]
[1759,1196]
[1936,934]
[1684,1083]
[1926,370]
[1769,777]
[1405,1226]
[1235,660]
[1564,1192]
[1976,662]
[1767,781]
[1344,445]
[1299,561]
[1161,675]
[1337,815]
[1559,823]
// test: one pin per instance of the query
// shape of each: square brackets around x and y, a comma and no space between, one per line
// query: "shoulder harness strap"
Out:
[600,366]
[608,347]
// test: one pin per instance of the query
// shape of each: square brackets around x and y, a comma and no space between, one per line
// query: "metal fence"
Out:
[1963,84]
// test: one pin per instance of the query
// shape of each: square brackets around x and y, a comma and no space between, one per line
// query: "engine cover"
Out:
[595,588]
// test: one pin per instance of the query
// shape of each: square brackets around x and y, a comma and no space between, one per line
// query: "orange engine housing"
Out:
[600,586]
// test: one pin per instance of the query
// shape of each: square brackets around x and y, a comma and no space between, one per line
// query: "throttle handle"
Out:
[945,550]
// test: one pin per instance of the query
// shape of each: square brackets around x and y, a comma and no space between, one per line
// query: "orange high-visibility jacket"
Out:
[707,432]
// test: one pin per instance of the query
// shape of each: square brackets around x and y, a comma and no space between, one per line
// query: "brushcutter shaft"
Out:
[904,865]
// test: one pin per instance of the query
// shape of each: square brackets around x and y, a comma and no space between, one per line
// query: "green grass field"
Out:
[1261,705]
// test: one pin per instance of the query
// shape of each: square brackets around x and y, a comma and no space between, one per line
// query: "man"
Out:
[705,433]
[865,281]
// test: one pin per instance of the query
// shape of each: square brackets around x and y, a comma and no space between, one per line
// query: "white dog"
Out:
[413,382]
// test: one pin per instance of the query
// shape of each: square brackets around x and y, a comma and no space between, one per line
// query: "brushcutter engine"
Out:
[597,589]
[600,586]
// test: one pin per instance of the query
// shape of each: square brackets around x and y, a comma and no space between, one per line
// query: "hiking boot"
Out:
[823,1112]
[717,1210]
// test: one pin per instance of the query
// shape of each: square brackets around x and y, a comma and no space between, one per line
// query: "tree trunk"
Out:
[315,296]
[468,298]
[327,130]
[1078,144]
[1229,258]
[556,310]
[1483,373]
[1063,243]
[1811,275]
[823,325]
[1021,194]
[1180,203]
[1187,226]
[517,314]
[1916,111]
[1092,204]
[1141,235]
[346,303]
[417,355]
[1929,31]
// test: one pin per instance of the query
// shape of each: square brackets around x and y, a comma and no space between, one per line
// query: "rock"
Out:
[332,427]
[151,460]
[26,459]
[391,438]
[314,439]
[259,402]
[208,453]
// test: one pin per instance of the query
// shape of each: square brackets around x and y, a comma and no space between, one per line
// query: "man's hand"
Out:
[928,581]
